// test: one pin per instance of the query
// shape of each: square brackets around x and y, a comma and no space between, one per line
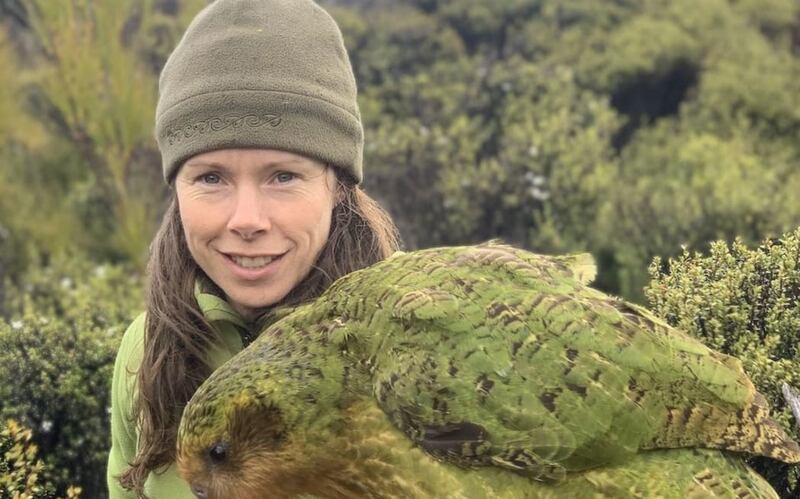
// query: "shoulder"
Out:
[129,359]
[123,427]
[131,348]
[135,332]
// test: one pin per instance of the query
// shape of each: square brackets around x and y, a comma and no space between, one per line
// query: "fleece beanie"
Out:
[270,74]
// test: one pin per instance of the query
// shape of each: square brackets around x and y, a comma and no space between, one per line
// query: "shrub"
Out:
[746,303]
[57,349]
[20,471]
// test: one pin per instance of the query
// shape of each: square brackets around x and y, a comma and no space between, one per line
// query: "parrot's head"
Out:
[247,430]
[229,433]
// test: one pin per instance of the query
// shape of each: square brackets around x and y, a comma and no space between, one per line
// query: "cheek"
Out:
[322,224]
[310,220]
[198,224]
[308,226]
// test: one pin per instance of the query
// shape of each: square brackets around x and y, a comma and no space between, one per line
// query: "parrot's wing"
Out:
[542,375]
[579,266]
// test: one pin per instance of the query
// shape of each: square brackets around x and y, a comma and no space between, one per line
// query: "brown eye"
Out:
[218,452]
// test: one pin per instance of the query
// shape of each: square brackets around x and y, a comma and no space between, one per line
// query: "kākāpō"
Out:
[477,372]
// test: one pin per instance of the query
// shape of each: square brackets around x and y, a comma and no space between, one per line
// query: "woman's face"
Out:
[255,220]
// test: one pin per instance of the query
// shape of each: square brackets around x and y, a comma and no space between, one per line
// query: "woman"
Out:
[261,141]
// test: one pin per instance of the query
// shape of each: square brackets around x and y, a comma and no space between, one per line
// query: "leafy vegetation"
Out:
[20,471]
[76,125]
[623,128]
[57,352]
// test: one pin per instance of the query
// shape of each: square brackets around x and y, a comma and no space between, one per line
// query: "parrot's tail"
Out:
[749,429]
[756,432]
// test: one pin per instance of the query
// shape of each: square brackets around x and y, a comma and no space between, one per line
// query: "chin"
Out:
[247,299]
[258,304]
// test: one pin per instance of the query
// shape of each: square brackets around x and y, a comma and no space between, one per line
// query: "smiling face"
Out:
[255,220]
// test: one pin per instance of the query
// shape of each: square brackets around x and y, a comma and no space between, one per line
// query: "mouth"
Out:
[250,262]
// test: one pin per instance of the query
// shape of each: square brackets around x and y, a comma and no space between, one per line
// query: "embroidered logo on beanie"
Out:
[174,136]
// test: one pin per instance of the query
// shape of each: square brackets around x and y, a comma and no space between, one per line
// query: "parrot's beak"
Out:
[196,474]
[200,491]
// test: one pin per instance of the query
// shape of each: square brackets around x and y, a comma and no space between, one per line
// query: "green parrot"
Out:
[476,372]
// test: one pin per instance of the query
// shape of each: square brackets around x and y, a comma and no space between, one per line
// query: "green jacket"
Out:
[124,432]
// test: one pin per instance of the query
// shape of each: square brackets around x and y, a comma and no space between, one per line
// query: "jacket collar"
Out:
[215,308]
[221,314]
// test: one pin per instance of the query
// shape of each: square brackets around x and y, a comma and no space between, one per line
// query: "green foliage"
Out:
[57,349]
[76,124]
[17,131]
[43,192]
[624,128]
[689,187]
[554,125]
[746,303]
[646,46]
[103,101]
[379,44]
[20,471]
[512,150]
[22,474]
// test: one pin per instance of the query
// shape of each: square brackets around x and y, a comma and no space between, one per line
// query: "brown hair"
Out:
[177,335]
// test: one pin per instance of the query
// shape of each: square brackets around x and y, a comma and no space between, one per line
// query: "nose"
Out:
[248,218]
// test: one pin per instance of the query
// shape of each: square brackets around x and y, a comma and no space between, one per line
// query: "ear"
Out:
[340,196]
[335,184]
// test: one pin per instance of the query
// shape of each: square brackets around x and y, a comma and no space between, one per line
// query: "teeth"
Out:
[247,262]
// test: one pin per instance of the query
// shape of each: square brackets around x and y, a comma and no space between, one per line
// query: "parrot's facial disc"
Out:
[241,449]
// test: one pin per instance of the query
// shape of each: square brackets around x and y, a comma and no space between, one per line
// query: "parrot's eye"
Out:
[218,452]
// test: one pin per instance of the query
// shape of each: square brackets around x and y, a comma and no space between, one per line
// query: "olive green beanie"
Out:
[270,74]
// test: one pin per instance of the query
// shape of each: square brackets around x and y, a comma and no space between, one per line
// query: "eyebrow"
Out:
[216,164]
